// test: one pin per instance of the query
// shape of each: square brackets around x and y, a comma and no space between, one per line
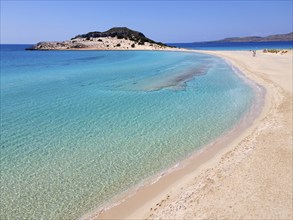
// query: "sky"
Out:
[166,21]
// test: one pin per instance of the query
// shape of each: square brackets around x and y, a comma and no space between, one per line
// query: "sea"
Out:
[235,45]
[80,127]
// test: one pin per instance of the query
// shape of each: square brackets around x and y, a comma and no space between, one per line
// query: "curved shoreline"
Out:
[138,201]
[252,177]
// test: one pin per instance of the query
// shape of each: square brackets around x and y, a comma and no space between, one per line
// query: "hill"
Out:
[120,33]
[276,37]
[117,38]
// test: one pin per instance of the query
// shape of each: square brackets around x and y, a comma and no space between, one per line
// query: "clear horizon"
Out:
[29,22]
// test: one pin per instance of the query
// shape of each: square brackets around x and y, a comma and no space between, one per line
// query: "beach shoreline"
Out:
[146,201]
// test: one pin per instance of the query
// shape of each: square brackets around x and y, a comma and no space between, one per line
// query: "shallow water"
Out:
[78,127]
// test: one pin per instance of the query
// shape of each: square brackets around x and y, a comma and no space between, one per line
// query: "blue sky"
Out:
[166,21]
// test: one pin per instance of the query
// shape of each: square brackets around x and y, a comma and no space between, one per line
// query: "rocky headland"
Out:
[118,38]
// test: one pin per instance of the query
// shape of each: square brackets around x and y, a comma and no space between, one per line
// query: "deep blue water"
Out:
[79,127]
[236,46]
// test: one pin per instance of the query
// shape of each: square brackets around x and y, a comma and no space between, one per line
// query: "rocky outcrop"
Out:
[119,38]
[58,45]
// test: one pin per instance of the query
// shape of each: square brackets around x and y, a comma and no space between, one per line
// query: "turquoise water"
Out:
[79,127]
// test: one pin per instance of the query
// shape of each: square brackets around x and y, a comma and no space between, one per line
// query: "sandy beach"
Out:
[247,177]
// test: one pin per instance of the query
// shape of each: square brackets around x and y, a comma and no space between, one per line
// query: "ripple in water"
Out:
[74,136]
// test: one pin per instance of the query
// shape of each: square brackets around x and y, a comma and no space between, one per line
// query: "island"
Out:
[270,38]
[117,38]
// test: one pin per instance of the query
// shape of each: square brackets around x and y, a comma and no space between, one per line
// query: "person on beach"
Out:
[254,53]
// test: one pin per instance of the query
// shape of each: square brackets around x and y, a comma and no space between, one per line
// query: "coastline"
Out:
[159,200]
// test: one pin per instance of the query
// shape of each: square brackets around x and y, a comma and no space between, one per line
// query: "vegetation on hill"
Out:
[120,33]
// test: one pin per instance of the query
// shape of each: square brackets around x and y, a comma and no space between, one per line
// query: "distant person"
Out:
[254,53]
